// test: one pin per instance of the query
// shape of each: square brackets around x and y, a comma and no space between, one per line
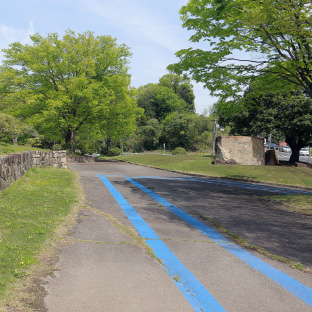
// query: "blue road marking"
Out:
[296,288]
[246,185]
[196,294]
[250,186]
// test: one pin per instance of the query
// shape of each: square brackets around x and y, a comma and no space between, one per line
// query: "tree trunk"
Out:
[15,141]
[108,145]
[296,146]
[70,140]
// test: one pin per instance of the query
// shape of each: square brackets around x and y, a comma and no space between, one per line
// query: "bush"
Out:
[114,151]
[35,142]
[179,151]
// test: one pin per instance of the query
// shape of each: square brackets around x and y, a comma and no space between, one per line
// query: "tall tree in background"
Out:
[289,116]
[69,82]
[276,37]
[172,93]
[182,87]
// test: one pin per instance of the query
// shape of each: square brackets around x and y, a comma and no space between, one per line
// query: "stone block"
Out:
[241,149]
[271,158]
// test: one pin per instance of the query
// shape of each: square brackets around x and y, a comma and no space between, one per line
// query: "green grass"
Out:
[201,164]
[6,148]
[31,209]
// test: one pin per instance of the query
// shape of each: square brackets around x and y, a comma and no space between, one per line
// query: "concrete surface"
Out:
[104,269]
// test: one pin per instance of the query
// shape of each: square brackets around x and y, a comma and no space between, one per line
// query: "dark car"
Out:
[274,146]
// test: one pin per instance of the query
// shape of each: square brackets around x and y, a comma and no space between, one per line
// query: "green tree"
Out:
[69,82]
[187,130]
[158,101]
[12,128]
[149,134]
[276,37]
[182,87]
[288,116]
[119,118]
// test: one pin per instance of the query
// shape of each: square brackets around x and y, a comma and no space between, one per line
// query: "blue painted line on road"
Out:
[293,286]
[267,188]
[251,186]
[196,294]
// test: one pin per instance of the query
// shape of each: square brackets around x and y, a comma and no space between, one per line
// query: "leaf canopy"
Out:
[244,40]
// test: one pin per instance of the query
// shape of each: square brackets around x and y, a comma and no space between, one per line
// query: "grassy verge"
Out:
[31,209]
[6,148]
[201,164]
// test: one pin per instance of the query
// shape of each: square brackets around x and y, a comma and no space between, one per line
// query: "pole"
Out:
[214,135]
[270,140]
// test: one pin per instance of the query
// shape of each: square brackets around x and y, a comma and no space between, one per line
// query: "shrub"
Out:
[114,151]
[179,151]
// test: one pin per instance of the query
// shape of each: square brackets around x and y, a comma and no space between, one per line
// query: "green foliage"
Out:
[35,142]
[148,134]
[61,85]
[159,101]
[182,87]
[276,36]
[115,151]
[187,130]
[179,151]
[289,116]
[12,128]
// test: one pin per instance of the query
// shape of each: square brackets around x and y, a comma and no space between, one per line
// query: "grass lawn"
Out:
[6,148]
[201,164]
[31,209]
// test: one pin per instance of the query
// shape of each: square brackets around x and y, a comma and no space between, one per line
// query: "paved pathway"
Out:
[109,267]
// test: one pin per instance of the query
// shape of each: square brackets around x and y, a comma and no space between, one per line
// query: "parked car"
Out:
[304,152]
[274,146]
[285,149]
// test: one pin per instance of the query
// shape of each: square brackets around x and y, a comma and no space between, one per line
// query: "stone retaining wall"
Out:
[14,166]
[81,159]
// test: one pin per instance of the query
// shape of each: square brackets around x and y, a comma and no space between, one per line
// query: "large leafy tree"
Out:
[182,87]
[70,82]
[187,130]
[288,116]
[172,93]
[158,101]
[275,36]
[12,128]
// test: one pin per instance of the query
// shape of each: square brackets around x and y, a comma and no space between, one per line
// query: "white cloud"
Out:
[138,21]
[11,34]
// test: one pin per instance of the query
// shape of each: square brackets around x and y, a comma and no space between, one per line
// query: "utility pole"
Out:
[214,134]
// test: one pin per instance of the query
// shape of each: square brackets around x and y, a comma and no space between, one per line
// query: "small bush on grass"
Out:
[179,151]
[114,151]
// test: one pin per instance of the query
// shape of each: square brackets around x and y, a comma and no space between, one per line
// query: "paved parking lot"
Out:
[193,267]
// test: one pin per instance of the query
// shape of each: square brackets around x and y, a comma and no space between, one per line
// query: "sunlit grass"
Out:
[31,209]
[201,164]
[6,148]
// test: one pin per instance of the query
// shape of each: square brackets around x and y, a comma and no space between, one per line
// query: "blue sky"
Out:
[151,28]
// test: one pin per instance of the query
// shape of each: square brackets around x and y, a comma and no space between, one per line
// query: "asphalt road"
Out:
[285,156]
[108,268]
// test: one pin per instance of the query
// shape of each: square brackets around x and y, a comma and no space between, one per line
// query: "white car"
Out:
[285,149]
[304,152]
